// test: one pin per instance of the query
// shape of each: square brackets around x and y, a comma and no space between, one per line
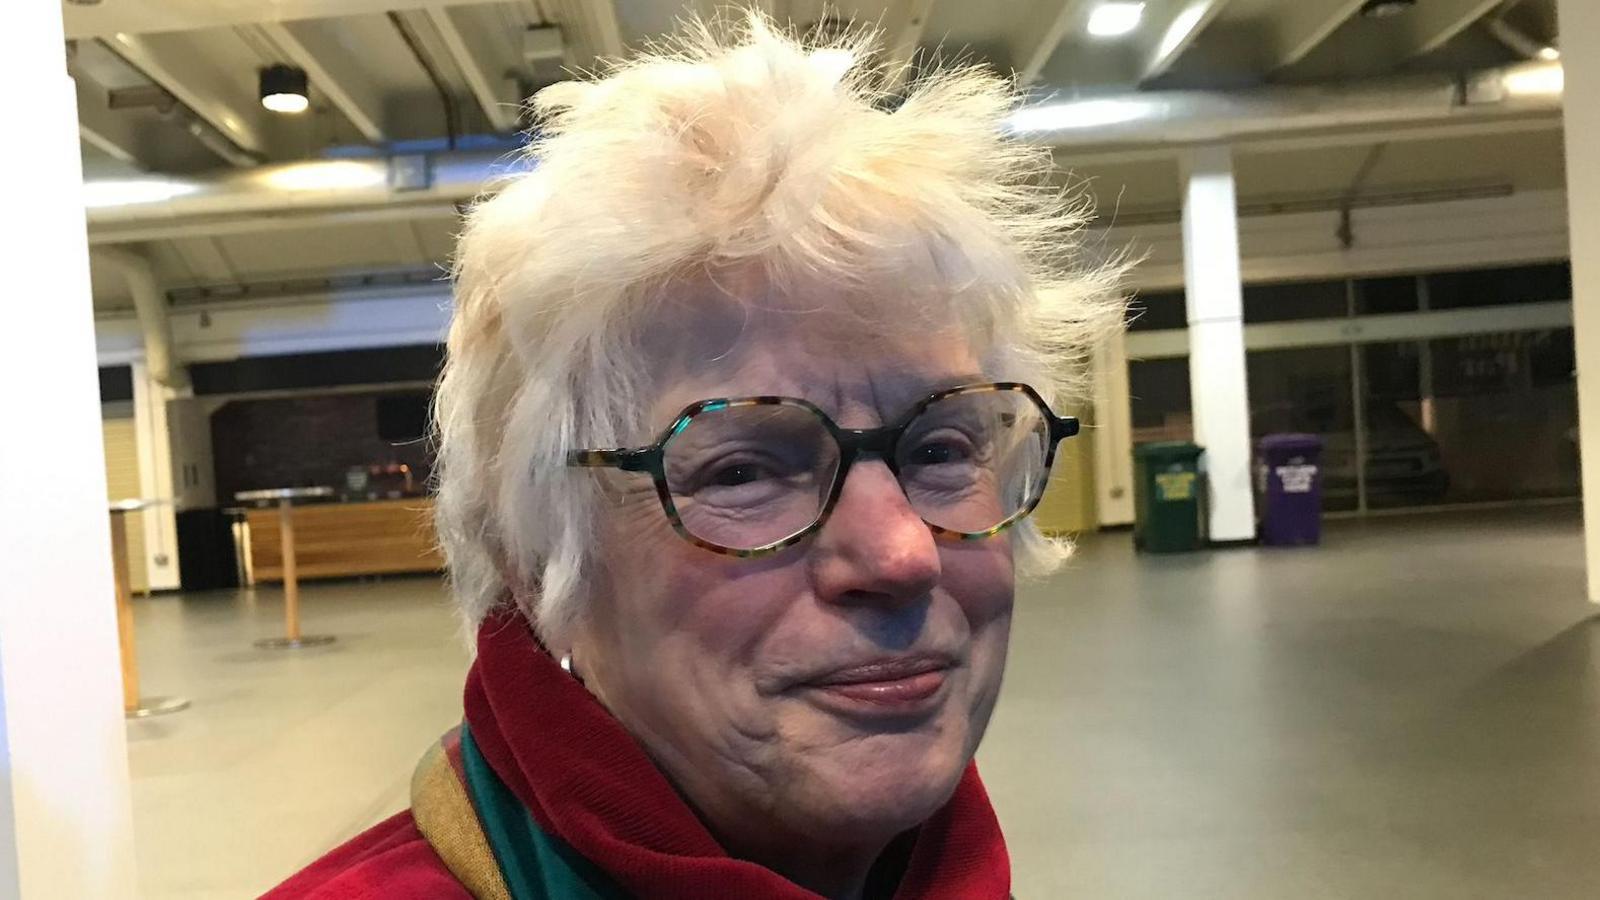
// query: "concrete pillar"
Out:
[1580,23]
[153,439]
[65,821]
[1215,304]
[1113,435]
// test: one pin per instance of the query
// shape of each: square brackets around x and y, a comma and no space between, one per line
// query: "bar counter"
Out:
[341,539]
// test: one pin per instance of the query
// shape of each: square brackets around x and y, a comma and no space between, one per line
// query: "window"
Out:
[1159,389]
[1377,296]
[1496,287]
[1292,301]
[1156,311]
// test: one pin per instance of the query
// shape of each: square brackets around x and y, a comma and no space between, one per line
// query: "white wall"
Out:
[1581,20]
[68,828]
[194,482]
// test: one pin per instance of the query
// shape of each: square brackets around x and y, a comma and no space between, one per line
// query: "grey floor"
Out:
[1411,710]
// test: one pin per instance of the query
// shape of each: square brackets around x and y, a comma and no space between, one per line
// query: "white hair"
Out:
[737,145]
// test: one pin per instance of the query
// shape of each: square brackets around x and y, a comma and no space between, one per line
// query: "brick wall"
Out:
[302,441]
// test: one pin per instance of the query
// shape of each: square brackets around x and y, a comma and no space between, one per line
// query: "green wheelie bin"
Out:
[1166,497]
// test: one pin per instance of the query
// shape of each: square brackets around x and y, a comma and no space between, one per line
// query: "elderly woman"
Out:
[747,402]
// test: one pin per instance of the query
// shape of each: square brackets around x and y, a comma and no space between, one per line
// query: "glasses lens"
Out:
[972,461]
[743,477]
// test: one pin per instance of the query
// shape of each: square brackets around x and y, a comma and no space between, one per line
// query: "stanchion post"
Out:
[291,577]
[125,635]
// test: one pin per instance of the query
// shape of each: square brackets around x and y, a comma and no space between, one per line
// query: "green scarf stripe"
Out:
[536,865]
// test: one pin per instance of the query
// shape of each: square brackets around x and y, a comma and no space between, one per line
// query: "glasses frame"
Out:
[854,443]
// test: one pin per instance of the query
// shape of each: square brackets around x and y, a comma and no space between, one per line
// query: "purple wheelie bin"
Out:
[1289,478]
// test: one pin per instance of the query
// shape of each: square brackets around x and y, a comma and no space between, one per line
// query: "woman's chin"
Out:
[880,785]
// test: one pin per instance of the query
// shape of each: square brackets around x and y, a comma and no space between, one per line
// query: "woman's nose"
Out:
[874,548]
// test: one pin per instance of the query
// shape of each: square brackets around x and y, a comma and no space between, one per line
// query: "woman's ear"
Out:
[522,590]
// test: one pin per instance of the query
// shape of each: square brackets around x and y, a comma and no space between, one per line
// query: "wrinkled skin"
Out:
[703,657]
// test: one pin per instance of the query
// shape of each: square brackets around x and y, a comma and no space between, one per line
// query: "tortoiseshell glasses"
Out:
[750,476]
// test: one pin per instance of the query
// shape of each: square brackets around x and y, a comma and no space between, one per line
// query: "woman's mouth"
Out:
[902,685]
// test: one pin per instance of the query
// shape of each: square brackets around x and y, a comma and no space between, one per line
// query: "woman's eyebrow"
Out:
[921,390]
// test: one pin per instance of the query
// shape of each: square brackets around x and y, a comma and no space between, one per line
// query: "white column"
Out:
[1113,434]
[153,440]
[65,823]
[1580,23]
[1215,303]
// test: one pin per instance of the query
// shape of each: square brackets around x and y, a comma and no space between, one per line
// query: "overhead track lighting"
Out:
[1110,20]
[283,89]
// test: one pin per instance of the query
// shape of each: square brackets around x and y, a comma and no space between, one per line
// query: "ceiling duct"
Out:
[150,303]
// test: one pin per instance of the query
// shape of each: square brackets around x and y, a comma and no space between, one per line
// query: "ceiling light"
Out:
[1115,19]
[1535,79]
[1077,114]
[283,89]
[1549,54]
[331,175]
[101,193]
[1383,9]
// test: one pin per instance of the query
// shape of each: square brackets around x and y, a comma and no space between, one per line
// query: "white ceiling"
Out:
[154,74]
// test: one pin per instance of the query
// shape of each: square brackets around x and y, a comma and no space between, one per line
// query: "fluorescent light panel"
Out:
[1110,20]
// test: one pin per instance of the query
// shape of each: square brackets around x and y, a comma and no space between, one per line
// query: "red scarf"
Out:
[585,779]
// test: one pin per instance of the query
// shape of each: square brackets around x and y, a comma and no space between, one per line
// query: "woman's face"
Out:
[732,672]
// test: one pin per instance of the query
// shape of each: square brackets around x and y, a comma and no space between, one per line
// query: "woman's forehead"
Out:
[739,340]
[871,382]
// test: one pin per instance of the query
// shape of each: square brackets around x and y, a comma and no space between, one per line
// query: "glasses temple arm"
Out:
[635,460]
[1062,427]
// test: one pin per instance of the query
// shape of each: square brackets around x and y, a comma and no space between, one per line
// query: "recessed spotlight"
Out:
[1383,9]
[1549,54]
[283,89]
[1115,19]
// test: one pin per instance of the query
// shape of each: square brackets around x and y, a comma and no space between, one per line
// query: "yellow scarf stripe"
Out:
[445,816]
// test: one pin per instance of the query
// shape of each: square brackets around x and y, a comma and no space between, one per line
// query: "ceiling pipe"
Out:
[150,303]
[1515,39]
[447,102]
[269,196]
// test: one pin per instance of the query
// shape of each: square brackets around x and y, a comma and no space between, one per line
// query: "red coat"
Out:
[586,780]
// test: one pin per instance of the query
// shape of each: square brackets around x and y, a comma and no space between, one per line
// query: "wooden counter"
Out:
[335,540]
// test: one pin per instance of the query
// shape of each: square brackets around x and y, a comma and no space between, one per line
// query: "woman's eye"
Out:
[737,474]
[935,453]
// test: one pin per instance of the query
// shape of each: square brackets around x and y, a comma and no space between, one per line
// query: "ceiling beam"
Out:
[334,71]
[1044,28]
[158,229]
[1118,155]
[1429,26]
[496,94]
[218,97]
[1297,28]
[1172,34]
[103,128]
[105,20]
[907,21]
[590,29]
[205,259]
